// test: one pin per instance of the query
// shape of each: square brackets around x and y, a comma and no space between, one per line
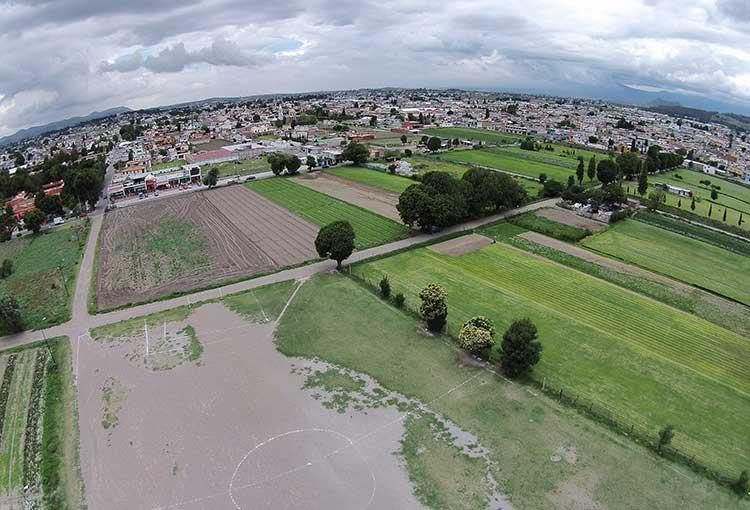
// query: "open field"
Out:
[561,155]
[482,135]
[731,194]
[542,455]
[510,163]
[371,229]
[638,361]
[557,223]
[683,258]
[196,240]
[710,236]
[38,428]
[377,200]
[45,268]
[422,165]
[371,177]
[169,164]
[237,425]
[245,167]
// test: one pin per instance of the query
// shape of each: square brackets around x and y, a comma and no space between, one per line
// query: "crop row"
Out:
[32,437]
[5,390]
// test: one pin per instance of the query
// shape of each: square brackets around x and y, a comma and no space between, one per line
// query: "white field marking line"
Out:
[349,440]
[265,317]
[145,331]
[289,301]
[309,464]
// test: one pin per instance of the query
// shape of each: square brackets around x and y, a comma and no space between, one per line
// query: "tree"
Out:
[643,181]
[385,287]
[552,188]
[724,218]
[356,152]
[520,350]
[49,205]
[33,220]
[335,241]
[714,194]
[542,177]
[606,171]
[710,209]
[692,204]
[476,334]
[10,315]
[571,181]
[211,178]
[629,163]
[580,170]
[591,172]
[404,139]
[655,199]
[742,485]
[276,161]
[292,164]
[434,144]
[311,162]
[6,268]
[739,221]
[665,437]
[8,223]
[85,184]
[433,308]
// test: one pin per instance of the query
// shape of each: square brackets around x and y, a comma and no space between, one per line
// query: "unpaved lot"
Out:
[231,429]
[570,218]
[195,240]
[377,200]
[461,245]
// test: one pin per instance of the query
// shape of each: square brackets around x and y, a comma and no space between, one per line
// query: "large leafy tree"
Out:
[335,241]
[8,223]
[10,315]
[629,163]
[520,350]
[356,153]
[606,171]
[433,144]
[33,220]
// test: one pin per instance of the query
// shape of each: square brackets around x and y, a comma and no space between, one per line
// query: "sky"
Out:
[60,58]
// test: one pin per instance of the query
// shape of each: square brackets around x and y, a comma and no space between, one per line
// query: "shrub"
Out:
[665,437]
[6,268]
[521,351]
[619,215]
[476,334]
[742,485]
[433,309]
[399,300]
[385,287]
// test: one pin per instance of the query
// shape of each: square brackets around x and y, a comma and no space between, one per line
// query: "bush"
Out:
[6,268]
[476,334]
[433,309]
[552,188]
[619,215]
[520,351]
[399,299]
[385,287]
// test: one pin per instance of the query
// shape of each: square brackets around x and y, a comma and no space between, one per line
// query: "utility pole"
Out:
[49,348]
[62,277]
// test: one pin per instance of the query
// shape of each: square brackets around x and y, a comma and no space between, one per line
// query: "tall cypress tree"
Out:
[592,168]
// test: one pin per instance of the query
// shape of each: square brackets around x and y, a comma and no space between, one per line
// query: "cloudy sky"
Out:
[60,58]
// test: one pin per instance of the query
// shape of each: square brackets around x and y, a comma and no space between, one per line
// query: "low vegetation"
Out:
[532,221]
[371,177]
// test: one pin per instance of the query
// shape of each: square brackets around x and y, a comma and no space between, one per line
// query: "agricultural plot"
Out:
[38,433]
[245,167]
[371,229]
[683,258]
[639,362]
[510,163]
[45,268]
[732,195]
[371,177]
[377,200]
[573,463]
[193,241]
[557,223]
[231,423]
[481,135]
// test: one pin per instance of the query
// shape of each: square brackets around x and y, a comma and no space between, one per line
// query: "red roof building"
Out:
[24,202]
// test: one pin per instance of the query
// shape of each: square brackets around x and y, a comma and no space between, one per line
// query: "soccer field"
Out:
[683,258]
[377,178]
[371,229]
[639,361]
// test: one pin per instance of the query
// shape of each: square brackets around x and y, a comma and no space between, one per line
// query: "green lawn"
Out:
[371,229]
[562,155]
[731,195]
[532,221]
[45,268]
[686,259]
[372,177]
[482,135]
[637,360]
[422,165]
[510,163]
[246,167]
[326,320]
[169,164]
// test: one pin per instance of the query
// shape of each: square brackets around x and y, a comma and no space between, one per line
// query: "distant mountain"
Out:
[31,132]
[731,120]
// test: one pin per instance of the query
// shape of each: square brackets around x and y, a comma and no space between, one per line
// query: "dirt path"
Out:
[377,200]
[570,218]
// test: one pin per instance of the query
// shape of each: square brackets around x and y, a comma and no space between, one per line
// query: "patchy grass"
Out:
[689,260]
[642,363]
[551,228]
[169,164]
[510,163]
[245,167]
[371,229]
[45,268]
[261,304]
[371,177]
[520,430]
[480,135]
[501,230]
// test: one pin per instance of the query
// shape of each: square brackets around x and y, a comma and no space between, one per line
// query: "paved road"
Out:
[82,321]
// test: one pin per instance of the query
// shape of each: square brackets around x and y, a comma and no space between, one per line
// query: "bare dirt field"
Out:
[237,427]
[461,245]
[377,200]
[570,218]
[195,240]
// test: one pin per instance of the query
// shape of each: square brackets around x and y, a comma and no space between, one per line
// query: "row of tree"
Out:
[441,199]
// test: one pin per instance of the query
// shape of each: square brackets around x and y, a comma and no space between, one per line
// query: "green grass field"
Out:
[686,259]
[371,229]
[510,163]
[246,167]
[372,177]
[561,156]
[532,221]
[520,429]
[731,195]
[38,425]
[637,360]
[481,135]
[169,164]
[40,266]
[422,165]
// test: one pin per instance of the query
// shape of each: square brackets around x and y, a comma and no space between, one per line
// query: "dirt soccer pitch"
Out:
[195,409]
[193,241]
